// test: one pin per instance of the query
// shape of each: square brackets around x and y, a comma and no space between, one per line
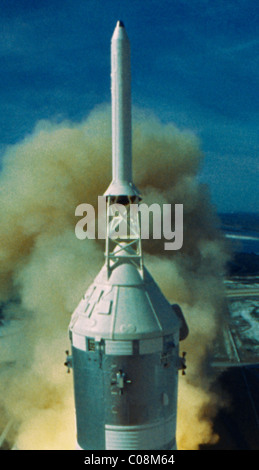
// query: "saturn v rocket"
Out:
[124,333]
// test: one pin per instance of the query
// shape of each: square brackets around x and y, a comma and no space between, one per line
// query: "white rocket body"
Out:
[124,333]
[121,115]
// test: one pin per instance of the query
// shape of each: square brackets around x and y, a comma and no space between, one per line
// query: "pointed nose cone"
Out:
[120,23]
[120,33]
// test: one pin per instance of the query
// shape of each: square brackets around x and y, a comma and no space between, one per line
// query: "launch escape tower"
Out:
[124,333]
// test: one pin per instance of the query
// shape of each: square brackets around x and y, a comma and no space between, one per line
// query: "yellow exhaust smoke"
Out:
[45,269]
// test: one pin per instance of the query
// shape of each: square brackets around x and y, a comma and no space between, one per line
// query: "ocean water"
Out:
[246,242]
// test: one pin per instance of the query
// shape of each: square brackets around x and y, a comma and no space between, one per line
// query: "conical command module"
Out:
[124,333]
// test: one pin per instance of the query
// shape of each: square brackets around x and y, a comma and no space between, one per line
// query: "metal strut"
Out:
[123,234]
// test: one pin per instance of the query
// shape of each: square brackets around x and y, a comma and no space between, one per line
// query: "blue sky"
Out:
[194,62]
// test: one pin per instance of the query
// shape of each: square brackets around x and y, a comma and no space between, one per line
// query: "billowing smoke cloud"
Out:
[45,269]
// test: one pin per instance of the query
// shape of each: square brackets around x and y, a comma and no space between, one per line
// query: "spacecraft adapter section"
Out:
[127,401]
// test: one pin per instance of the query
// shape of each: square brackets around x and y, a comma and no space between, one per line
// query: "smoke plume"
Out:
[45,269]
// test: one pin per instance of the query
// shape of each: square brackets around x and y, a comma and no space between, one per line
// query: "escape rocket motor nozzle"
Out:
[121,184]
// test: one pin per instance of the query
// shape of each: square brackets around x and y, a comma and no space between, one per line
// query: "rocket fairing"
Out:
[124,333]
